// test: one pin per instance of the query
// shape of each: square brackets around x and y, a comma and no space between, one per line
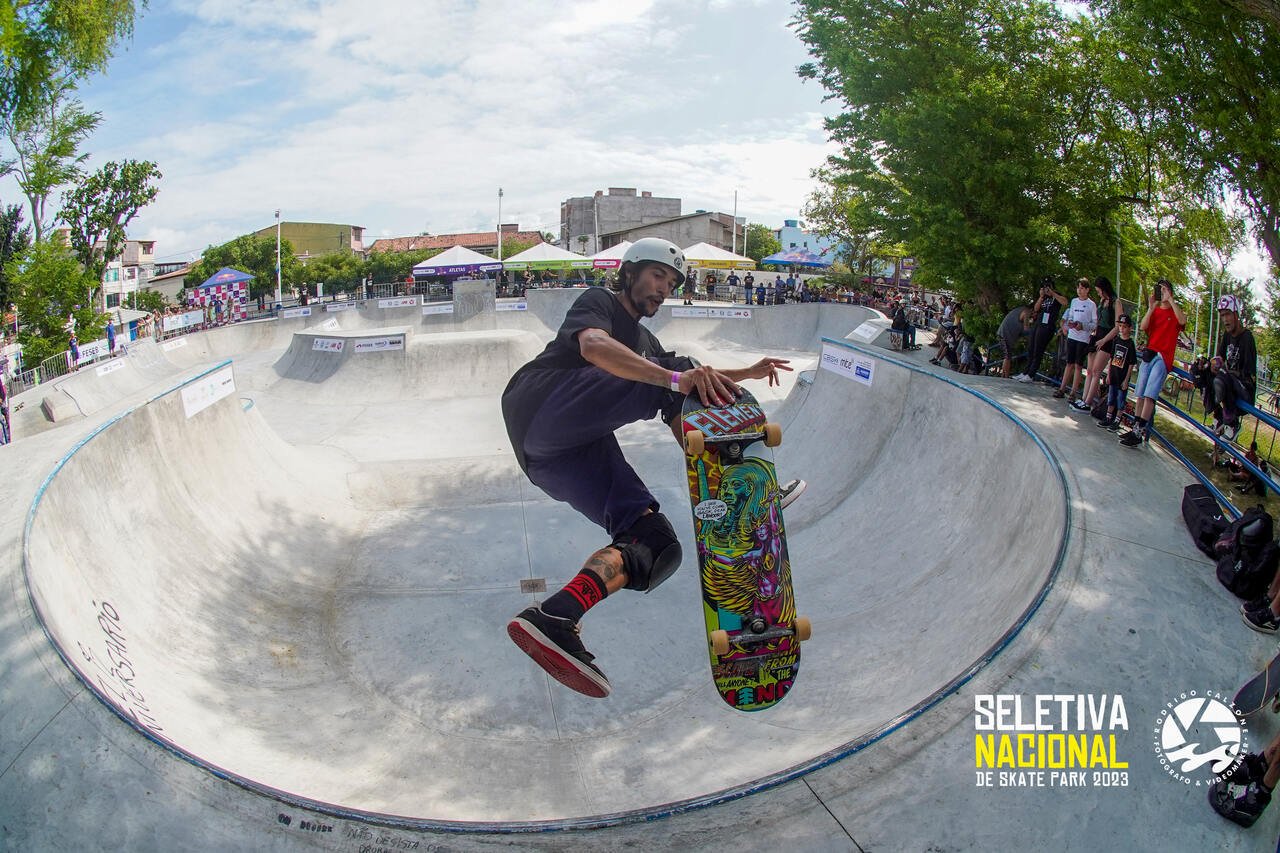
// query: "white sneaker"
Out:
[1022,377]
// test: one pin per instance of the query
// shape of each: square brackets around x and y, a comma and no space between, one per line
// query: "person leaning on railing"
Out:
[1238,379]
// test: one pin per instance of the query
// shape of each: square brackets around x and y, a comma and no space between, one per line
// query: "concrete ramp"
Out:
[329,631]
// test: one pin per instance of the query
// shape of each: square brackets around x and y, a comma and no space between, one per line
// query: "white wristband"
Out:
[675,382]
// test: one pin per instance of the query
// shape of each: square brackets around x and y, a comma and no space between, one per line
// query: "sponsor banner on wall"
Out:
[866,333]
[295,312]
[512,306]
[848,364]
[173,322]
[111,367]
[91,351]
[327,344]
[379,344]
[337,306]
[171,345]
[438,308]
[204,392]
[398,302]
[712,312]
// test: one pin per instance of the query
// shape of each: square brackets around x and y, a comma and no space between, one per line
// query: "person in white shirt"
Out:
[1078,323]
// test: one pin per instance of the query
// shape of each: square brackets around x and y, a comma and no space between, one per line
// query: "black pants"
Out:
[1040,337]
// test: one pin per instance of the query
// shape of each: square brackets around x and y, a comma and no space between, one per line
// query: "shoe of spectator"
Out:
[1080,406]
[1230,431]
[934,361]
[1113,425]
[1022,377]
[1262,621]
[1105,423]
[1059,394]
[1131,439]
[1244,809]
[1259,603]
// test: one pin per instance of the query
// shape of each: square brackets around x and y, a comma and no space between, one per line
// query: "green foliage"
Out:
[997,142]
[385,267]
[338,271]
[253,255]
[48,285]
[46,144]
[102,205]
[15,238]
[760,242]
[515,247]
[45,44]
[148,300]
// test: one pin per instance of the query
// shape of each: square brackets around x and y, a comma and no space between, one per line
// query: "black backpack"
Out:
[1203,517]
[1248,555]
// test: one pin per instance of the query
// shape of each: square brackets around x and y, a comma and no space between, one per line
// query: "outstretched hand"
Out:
[712,387]
[767,368]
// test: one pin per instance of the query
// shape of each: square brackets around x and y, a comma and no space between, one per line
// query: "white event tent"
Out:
[610,258]
[706,256]
[545,256]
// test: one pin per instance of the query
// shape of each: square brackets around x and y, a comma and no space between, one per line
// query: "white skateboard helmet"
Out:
[1230,302]
[656,249]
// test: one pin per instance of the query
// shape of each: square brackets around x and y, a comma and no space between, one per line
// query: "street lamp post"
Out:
[499,224]
[278,256]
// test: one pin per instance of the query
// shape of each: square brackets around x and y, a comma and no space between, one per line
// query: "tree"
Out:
[15,238]
[253,255]
[47,43]
[1212,73]
[46,143]
[760,242]
[49,283]
[98,210]
[337,271]
[383,267]
[1267,10]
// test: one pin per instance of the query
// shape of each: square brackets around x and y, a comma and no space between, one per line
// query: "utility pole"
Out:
[278,256]
[499,224]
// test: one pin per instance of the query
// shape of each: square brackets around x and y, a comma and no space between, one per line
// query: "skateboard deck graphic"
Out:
[747,599]
[1263,688]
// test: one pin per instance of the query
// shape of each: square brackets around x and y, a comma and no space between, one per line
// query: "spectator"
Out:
[748,285]
[690,283]
[73,347]
[732,281]
[760,293]
[1103,337]
[1257,773]
[1238,380]
[111,336]
[1016,325]
[1123,357]
[1045,323]
[902,325]
[1162,322]
[1246,480]
[1079,323]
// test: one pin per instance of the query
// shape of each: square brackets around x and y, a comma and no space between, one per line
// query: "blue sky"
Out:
[406,117]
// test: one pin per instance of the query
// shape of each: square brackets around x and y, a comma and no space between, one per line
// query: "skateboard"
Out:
[753,632]
[1260,690]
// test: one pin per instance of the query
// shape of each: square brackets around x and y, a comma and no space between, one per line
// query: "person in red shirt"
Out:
[1162,322]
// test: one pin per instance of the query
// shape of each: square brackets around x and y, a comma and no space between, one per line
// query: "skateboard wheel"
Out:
[772,435]
[719,640]
[804,630]
[694,443]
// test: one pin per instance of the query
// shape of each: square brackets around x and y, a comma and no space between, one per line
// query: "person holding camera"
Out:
[1045,325]
[1162,322]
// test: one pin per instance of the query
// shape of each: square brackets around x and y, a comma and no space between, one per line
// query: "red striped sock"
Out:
[579,595]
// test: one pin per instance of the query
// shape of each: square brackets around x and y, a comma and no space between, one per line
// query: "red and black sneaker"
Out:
[553,644]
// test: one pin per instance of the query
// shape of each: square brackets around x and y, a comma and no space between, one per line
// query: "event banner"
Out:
[380,344]
[512,306]
[713,313]
[398,302]
[328,345]
[438,308]
[848,364]
[173,322]
[207,390]
[295,312]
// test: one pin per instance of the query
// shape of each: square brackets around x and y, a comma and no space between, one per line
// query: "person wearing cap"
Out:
[602,371]
[1162,323]
[1238,380]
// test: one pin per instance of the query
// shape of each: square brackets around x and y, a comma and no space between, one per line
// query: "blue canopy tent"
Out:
[797,258]
[226,275]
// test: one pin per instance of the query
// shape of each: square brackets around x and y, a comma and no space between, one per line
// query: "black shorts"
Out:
[1077,352]
[1107,347]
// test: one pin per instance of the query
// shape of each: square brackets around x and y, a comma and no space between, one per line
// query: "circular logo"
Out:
[1199,730]
[711,510]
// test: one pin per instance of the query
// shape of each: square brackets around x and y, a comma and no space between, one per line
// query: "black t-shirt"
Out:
[1240,355]
[1123,356]
[1046,313]
[596,308]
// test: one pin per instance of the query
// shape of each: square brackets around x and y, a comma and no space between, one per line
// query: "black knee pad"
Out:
[650,552]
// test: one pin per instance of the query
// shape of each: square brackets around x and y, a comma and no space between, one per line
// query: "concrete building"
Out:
[170,282]
[310,239]
[485,242]
[610,212]
[792,235]
[701,227]
[130,272]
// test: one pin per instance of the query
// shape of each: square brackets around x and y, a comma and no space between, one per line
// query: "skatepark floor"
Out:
[294,596]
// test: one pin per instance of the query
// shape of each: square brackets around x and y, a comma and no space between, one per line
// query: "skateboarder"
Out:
[605,370]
